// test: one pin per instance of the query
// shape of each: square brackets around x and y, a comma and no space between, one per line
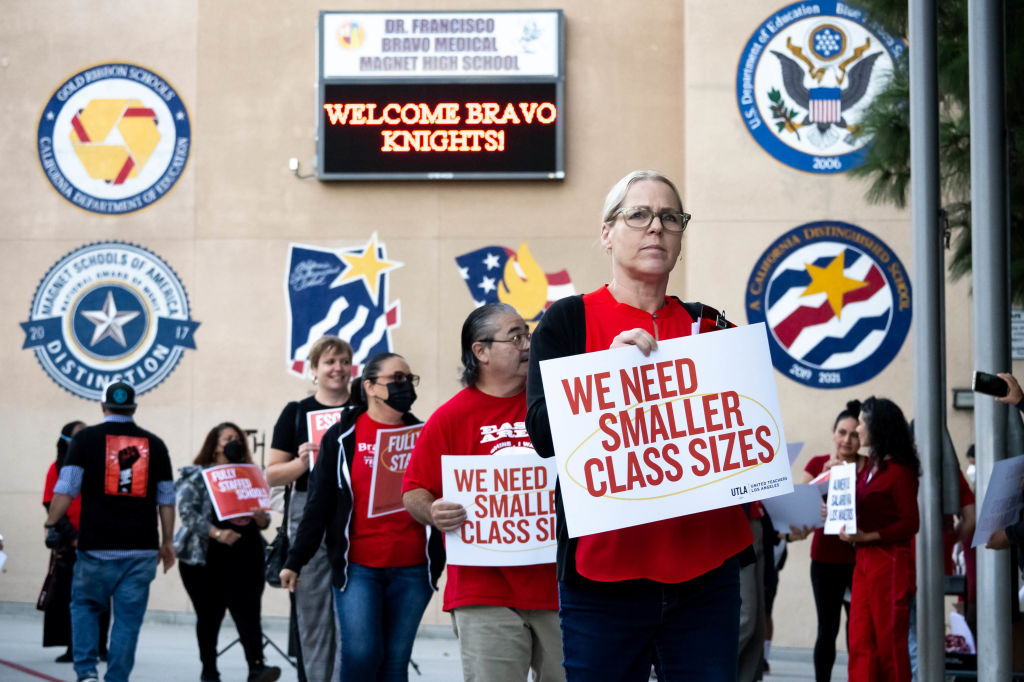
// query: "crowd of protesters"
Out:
[689,597]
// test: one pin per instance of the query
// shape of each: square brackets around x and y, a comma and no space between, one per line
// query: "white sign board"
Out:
[1017,334]
[842,499]
[510,508]
[450,45]
[800,508]
[1003,500]
[694,426]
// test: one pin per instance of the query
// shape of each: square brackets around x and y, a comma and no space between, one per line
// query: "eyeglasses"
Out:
[641,217]
[518,340]
[399,378]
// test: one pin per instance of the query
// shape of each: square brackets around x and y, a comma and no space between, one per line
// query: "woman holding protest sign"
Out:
[831,558]
[887,520]
[293,448]
[505,616]
[666,592]
[221,562]
[384,567]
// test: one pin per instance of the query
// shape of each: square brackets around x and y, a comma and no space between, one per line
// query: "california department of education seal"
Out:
[107,312]
[804,79]
[114,138]
[836,301]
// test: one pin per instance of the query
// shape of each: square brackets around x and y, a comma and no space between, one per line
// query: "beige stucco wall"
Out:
[648,85]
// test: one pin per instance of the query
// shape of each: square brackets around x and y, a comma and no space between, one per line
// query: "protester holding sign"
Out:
[887,520]
[291,448]
[831,558]
[505,617]
[221,562]
[665,592]
[384,567]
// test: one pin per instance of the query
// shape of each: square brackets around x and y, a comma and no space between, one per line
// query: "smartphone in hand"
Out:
[989,384]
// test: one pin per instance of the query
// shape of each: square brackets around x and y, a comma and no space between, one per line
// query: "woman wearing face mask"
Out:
[221,562]
[384,568]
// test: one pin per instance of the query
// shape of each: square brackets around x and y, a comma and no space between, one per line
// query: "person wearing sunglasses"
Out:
[385,567]
[506,617]
[667,592]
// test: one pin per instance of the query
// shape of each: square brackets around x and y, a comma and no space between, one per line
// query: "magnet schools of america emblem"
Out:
[107,312]
[804,79]
[114,138]
[836,302]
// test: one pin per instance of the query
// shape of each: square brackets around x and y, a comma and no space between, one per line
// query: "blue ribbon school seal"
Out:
[109,311]
[804,79]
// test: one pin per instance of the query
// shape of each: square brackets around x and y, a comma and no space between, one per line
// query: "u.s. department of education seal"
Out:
[836,301]
[114,138]
[804,79]
[107,312]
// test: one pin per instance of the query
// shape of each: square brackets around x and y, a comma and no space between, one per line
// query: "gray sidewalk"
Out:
[167,651]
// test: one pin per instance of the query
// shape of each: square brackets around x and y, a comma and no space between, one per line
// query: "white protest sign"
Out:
[510,509]
[1003,500]
[800,508]
[694,426]
[842,500]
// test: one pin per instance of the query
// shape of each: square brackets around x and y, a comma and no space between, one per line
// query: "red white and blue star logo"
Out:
[836,301]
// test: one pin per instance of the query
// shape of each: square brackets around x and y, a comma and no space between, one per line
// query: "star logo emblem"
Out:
[109,322]
[831,281]
[365,265]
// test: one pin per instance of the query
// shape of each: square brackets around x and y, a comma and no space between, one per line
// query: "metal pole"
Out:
[990,277]
[928,280]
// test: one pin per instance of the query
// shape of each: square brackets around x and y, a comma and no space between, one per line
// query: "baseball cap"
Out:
[118,394]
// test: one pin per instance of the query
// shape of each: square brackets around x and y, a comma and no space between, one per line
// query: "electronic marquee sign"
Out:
[441,95]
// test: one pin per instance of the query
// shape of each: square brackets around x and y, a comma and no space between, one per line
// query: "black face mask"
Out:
[234,453]
[400,396]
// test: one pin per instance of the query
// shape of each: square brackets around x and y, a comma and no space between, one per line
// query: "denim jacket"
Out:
[195,509]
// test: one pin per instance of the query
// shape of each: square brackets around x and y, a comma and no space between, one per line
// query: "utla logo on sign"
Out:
[236,490]
[694,426]
[510,508]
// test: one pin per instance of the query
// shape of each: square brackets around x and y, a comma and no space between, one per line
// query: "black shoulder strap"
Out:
[698,310]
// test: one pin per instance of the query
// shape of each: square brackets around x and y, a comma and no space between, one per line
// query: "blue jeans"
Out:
[688,631]
[95,582]
[379,612]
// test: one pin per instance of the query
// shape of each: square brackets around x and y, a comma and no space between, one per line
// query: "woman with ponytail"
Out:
[831,558]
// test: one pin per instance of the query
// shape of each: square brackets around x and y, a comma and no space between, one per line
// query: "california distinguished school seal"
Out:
[107,312]
[114,138]
[836,301]
[804,79]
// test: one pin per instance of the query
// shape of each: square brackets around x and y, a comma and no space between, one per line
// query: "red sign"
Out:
[127,466]
[236,490]
[394,447]
[317,423]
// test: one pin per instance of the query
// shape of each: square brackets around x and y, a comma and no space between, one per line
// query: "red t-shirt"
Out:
[673,550]
[828,549]
[475,423]
[385,541]
[74,512]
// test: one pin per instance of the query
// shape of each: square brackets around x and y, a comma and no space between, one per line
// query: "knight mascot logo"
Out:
[804,79]
[836,301]
[496,274]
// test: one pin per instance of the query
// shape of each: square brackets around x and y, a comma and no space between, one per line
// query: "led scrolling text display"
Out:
[468,127]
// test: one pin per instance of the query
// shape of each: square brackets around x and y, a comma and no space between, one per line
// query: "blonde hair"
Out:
[617,194]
